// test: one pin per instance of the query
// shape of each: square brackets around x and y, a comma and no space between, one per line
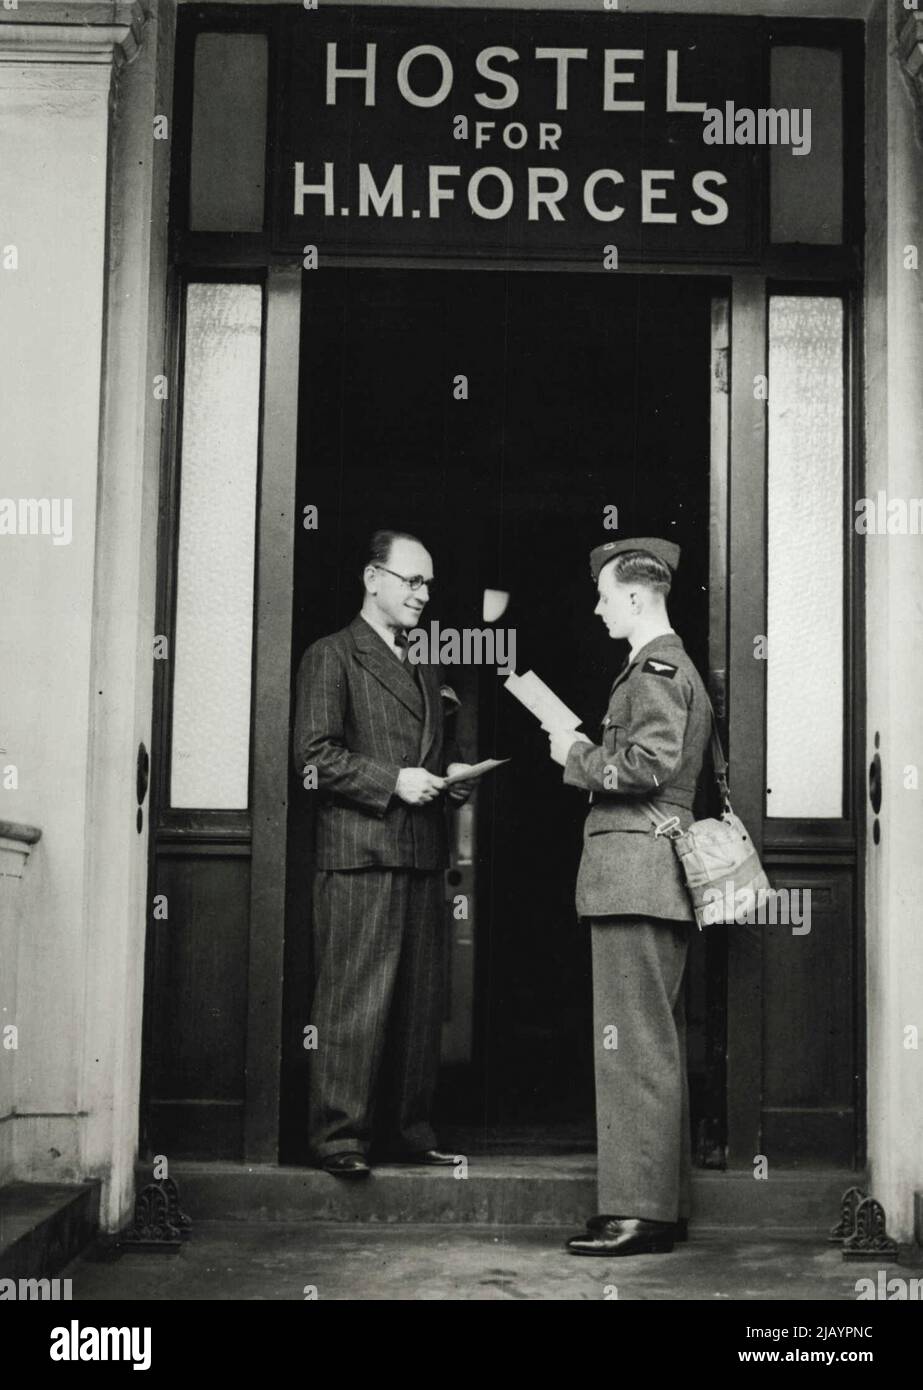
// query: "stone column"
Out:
[894,634]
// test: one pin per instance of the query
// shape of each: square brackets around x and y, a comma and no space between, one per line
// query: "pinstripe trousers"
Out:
[378,1006]
[642,1095]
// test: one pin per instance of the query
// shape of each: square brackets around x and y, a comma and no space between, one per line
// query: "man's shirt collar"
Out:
[385,633]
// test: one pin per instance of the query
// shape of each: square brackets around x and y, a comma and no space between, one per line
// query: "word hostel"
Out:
[614,79]
[477,272]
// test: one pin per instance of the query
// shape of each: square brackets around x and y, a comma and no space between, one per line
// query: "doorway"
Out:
[513,421]
[339,389]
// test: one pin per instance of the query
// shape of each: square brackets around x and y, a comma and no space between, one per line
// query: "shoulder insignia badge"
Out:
[659,668]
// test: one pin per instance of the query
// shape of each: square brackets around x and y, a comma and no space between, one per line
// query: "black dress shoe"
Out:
[624,1235]
[432,1157]
[346,1165]
[680,1230]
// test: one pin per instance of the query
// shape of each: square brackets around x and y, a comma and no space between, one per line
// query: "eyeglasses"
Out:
[413,581]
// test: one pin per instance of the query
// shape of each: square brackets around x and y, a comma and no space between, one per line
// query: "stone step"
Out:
[528,1190]
[44,1225]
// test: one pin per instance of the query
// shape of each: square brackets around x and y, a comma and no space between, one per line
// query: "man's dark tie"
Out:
[401,642]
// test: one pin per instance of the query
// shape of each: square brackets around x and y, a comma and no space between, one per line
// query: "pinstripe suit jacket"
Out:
[360,717]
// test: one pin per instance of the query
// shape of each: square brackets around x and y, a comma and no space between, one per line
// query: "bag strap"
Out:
[669,825]
[719,761]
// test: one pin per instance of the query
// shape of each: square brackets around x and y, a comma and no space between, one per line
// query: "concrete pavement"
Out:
[266,1260]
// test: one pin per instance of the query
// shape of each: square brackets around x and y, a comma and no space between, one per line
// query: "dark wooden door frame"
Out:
[746,722]
[271,710]
[745,609]
[747,696]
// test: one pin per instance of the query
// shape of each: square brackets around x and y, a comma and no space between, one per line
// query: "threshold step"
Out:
[516,1190]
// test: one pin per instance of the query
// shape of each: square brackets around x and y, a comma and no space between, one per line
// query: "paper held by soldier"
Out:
[476,770]
[540,700]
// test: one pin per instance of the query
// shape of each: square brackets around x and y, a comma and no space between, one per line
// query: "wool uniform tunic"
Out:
[630,886]
[655,734]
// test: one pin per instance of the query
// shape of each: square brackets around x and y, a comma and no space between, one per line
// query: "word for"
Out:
[515,135]
[76,1343]
[467,647]
[779,907]
[37,516]
[896,516]
[620,69]
[764,126]
[491,194]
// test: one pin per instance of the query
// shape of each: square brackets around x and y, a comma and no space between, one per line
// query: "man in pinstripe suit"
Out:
[369,733]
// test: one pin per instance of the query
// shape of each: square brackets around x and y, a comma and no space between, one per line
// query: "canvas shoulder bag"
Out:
[724,876]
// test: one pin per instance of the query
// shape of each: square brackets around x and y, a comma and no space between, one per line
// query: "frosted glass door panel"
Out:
[210,757]
[804,746]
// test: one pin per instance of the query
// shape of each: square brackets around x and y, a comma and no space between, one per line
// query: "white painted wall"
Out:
[52,191]
[894,620]
[83,338]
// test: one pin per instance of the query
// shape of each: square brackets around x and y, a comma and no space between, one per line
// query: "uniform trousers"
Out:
[642,1097]
[378,1006]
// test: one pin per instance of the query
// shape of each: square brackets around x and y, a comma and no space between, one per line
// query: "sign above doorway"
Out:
[428,131]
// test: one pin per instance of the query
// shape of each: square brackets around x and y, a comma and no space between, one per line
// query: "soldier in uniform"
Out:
[630,888]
